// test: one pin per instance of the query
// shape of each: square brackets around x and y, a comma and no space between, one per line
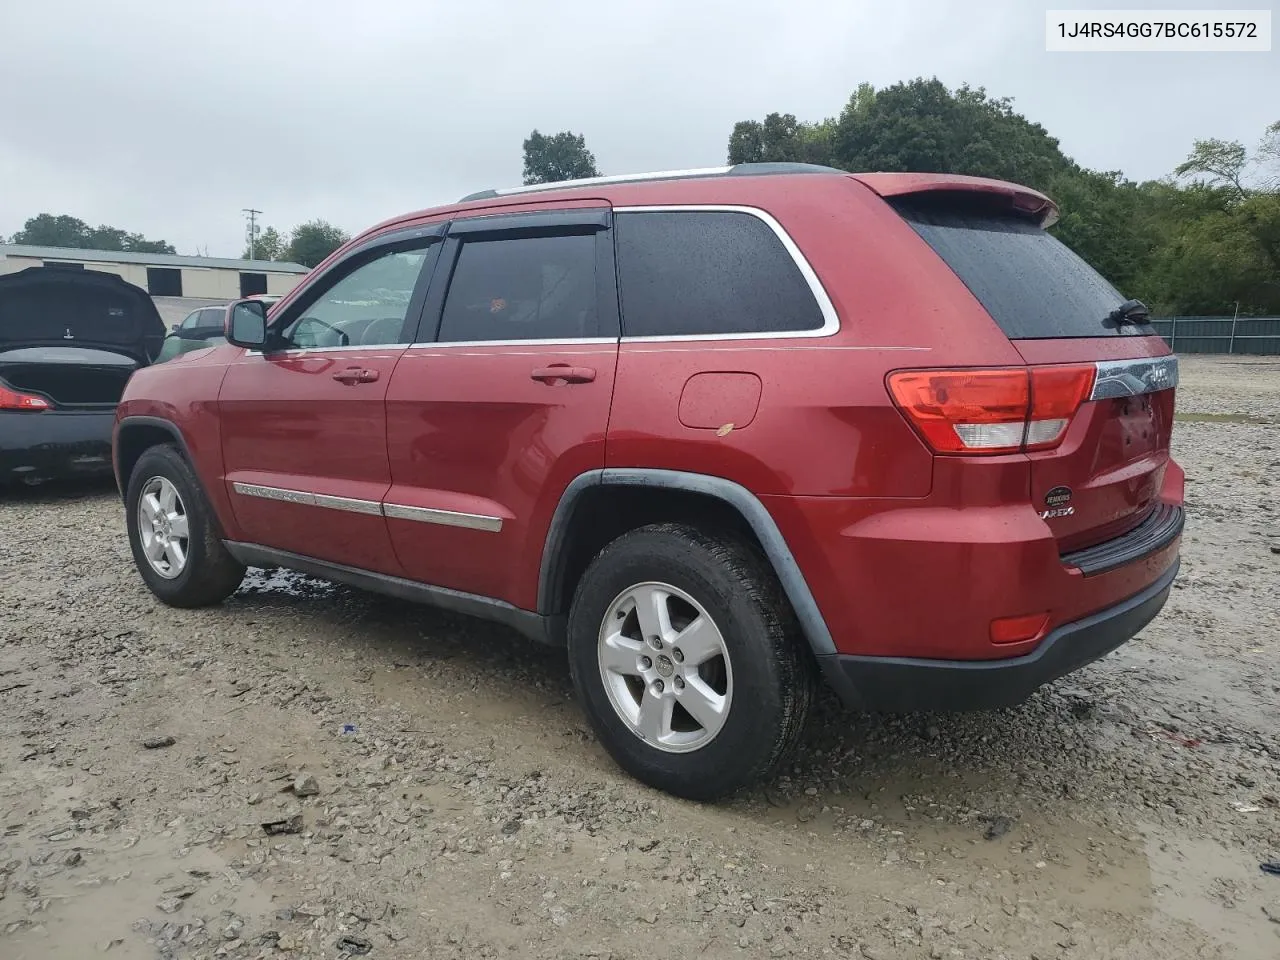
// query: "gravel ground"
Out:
[433,791]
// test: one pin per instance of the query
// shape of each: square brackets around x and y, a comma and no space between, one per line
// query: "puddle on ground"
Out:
[79,881]
[1200,882]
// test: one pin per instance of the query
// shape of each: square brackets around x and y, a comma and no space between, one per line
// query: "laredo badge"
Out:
[1058,500]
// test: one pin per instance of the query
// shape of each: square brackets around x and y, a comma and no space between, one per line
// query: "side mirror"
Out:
[246,324]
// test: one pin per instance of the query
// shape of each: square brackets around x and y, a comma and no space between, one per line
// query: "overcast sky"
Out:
[167,117]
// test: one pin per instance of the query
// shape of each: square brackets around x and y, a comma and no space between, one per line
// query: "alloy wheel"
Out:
[665,667]
[162,527]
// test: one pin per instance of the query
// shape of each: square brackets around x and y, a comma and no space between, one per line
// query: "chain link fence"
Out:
[1253,335]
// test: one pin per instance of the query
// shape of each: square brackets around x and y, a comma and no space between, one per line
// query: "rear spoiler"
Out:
[1021,199]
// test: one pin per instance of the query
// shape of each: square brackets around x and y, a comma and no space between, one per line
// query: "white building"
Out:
[164,275]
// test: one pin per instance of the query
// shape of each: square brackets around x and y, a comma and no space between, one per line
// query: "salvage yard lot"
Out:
[464,810]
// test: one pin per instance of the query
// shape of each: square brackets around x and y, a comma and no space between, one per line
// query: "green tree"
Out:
[312,241]
[562,156]
[1217,161]
[268,246]
[1108,221]
[62,230]
[1228,252]
[49,230]
[780,138]
[923,126]
[1199,242]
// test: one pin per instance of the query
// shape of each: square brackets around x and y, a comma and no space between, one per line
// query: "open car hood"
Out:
[83,308]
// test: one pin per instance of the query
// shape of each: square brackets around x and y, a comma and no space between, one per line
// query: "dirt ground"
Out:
[457,807]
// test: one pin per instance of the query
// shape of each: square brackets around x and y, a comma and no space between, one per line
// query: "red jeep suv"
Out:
[722,433]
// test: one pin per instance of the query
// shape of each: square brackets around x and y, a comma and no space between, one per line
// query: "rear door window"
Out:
[1031,283]
[708,273]
[523,288]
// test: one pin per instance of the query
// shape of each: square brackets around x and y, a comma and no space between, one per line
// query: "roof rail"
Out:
[736,170]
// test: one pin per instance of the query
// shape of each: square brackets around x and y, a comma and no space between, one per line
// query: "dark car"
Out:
[718,432]
[69,341]
[199,329]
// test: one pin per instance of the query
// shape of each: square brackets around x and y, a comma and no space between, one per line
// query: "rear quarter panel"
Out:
[825,425]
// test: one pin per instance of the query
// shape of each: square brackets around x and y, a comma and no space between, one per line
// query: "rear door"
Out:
[505,400]
[304,434]
[1110,468]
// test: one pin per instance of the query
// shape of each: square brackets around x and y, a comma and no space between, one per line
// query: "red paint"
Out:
[907,553]
[716,401]
[470,431]
[286,422]
[898,184]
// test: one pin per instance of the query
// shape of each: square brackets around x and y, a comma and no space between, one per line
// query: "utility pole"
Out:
[252,231]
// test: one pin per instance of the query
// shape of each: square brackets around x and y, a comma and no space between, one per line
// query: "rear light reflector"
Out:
[996,411]
[1018,629]
[12,400]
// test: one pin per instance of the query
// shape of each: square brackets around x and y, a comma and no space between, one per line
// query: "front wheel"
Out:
[175,544]
[688,660]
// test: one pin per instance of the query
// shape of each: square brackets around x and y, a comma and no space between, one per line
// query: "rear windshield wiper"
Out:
[1131,311]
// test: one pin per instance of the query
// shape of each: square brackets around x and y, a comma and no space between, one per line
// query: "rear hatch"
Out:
[48,306]
[1103,475]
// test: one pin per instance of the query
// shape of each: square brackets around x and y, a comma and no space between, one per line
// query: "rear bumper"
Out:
[904,684]
[54,444]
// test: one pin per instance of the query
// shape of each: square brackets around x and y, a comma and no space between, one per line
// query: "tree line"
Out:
[1204,240]
[54,230]
[307,244]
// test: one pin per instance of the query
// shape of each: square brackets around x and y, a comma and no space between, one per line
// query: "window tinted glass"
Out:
[523,288]
[214,317]
[1031,283]
[191,320]
[366,307]
[708,273]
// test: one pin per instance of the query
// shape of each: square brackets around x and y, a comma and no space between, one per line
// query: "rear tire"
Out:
[173,535]
[714,694]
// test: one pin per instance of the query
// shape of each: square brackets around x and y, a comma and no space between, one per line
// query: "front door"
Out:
[487,424]
[304,422]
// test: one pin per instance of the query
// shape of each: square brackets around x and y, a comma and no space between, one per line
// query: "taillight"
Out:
[1005,410]
[12,400]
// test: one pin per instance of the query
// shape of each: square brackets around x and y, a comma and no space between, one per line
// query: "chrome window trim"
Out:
[397,511]
[294,351]
[448,518]
[830,319]
[570,342]
[1133,378]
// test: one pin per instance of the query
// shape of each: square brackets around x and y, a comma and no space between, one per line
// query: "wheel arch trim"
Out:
[174,431]
[735,495]
[138,420]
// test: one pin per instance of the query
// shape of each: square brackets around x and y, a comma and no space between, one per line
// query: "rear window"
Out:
[1030,282]
[691,273]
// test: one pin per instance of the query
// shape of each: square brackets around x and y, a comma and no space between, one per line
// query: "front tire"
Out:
[688,660]
[172,533]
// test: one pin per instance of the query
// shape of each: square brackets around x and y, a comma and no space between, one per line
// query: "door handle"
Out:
[562,371]
[353,375]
